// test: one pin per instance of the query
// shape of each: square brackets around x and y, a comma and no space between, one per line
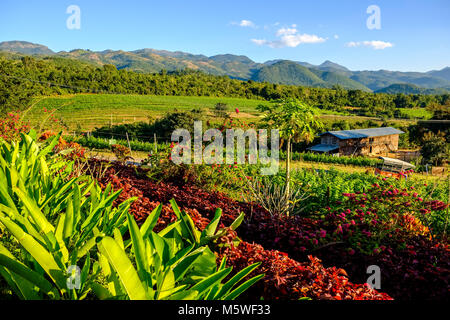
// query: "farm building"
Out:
[358,142]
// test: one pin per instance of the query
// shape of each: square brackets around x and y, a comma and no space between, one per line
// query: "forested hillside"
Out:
[241,67]
[25,77]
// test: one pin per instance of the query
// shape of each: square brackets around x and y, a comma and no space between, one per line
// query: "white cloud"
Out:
[336,36]
[286,31]
[352,44]
[374,44]
[244,23]
[259,42]
[247,23]
[289,37]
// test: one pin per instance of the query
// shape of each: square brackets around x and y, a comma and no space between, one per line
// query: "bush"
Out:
[11,126]
[121,152]
[435,148]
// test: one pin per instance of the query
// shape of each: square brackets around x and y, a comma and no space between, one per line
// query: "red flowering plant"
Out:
[383,215]
[11,126]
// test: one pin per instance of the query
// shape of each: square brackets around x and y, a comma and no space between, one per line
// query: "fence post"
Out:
[128,140]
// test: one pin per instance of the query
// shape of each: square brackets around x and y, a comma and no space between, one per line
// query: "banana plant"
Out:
[210,233]
[167,266]
[55,222]
[56,230]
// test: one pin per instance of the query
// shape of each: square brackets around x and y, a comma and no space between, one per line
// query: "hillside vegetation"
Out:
[241,67]
[24,78]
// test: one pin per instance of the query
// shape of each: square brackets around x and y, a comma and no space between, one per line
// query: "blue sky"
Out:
[414,35]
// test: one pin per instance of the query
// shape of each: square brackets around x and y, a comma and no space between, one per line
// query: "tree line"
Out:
[23,78]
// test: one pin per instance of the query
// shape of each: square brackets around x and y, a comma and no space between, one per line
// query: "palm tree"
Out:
[296,122]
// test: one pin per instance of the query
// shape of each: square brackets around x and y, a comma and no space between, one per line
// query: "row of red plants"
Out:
[413,264]
[285,278]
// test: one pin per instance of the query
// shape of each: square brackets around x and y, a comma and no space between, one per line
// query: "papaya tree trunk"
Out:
[288,169]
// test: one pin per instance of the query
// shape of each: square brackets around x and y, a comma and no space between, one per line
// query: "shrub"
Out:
[435,148]
[274,198]
[121,152]
[70,150]
[51,218]
[11,126]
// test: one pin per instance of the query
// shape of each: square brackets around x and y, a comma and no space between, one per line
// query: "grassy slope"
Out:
[90,110]
[86,111]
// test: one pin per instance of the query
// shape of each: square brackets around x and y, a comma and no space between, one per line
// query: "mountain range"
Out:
[241,67]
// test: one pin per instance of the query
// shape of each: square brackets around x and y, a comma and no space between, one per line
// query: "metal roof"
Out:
[323,147]
[364,133]
[393,161]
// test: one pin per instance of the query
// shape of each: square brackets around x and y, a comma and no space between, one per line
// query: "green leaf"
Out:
[151,221]
[8,261]
[35,212]
[226,288]
[210,229]
[243,287]
[139,250]
[101,292]
[38,252]
[236,223]
[124,268]
[207,284]
[185,263]
[69,220]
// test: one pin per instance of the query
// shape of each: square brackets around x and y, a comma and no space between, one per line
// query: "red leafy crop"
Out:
[413,266]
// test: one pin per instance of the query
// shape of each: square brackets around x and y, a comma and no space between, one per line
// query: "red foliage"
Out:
[415,269]
[285,278]
[77,152]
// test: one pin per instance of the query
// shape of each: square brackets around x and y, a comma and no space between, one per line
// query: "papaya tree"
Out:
[296,122]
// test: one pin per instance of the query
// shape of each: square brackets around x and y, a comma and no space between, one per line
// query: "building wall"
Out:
[367,146]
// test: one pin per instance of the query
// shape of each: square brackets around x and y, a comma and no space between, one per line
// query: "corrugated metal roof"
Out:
[364,133]
[323,147]
[397,162]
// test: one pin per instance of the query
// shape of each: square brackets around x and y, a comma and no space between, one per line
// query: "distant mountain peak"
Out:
[332,65]
[25,47]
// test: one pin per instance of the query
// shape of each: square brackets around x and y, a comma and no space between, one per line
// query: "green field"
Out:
[418,113]
[87,111]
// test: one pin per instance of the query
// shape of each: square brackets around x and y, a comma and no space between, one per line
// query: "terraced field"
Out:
[87,111]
